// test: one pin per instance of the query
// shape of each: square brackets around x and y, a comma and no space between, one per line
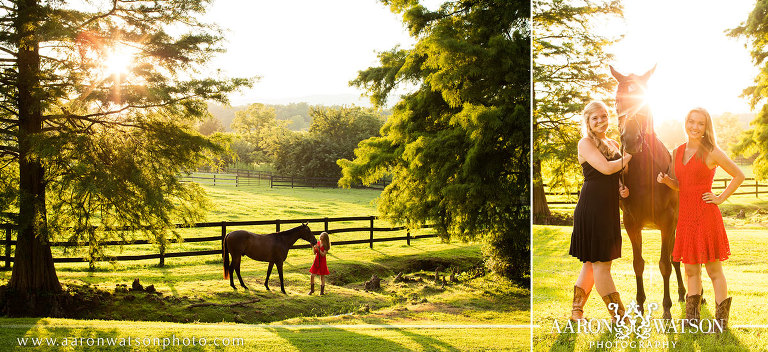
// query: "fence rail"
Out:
[8,242]
[750,186]
[245,178]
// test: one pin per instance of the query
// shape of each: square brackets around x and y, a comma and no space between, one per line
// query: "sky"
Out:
[698,65]
[304,48]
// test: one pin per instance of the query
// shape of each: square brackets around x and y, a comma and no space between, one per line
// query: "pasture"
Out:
[196,302]
[554,273]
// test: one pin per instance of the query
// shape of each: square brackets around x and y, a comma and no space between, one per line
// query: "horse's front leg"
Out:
[680,283]
[665,266]
[269,271]
[638,263]
[280,273]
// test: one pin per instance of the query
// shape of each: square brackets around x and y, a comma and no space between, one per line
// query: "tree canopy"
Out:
[98,109]
[755,140]
[569,69]
[457,146]
[334,134]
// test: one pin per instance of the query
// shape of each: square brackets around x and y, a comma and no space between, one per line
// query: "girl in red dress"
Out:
[701,237]
[319,267]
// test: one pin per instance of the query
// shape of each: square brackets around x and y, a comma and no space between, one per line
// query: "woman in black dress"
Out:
[596,238]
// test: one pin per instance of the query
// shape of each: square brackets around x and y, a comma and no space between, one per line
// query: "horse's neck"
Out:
[290,237]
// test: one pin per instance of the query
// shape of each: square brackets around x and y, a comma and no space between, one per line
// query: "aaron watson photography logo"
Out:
[634,324]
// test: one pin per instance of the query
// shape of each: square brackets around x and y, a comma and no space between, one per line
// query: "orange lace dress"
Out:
[700,236]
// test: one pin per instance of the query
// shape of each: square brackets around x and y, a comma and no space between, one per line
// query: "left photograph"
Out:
[237,176]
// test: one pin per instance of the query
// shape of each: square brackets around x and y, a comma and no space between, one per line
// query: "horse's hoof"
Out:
[703,301]
[667,315]
[234,288]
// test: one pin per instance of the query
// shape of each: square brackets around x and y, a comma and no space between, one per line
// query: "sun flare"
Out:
[118,60]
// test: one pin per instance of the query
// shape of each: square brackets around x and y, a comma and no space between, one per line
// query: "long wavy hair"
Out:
[609,151]
[326,241]
[709,139]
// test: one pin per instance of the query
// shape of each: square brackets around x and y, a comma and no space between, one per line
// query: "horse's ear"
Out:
[618,76]
[648,74]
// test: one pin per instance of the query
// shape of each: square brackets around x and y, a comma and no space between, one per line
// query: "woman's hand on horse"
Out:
[663,178]
[627,157]
[709,197]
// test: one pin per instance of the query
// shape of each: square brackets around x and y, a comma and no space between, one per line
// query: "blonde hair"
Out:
[709,140]
[326,241]
[608,151]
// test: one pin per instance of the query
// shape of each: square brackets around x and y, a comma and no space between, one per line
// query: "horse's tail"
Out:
[225,254]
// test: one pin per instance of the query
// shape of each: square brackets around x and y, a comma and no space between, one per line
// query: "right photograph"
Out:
[650,175]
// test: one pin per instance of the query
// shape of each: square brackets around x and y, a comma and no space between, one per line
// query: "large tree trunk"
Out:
[541,211]
[33,270]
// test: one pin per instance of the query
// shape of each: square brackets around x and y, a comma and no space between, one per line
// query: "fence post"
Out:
[223,232]
[757,193]
[277,225]
[326,224]
[214,180]
[270,181]
[291,181]
[236,180]
[371,245]
[8,247]
[408,236]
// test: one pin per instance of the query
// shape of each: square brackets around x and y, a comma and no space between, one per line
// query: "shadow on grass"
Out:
[332,339]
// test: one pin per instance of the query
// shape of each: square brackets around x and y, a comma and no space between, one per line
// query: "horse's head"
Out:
[306,234]
[635,119]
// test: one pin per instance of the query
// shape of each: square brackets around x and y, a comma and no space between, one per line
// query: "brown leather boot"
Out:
[579,300]
[693,309]
[322,290]
[614,298]
[311,288]
[722,311]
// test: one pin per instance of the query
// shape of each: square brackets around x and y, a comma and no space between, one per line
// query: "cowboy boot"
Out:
[722,311]
[619,310]
[311,288]
[579,300]
[322,290]
[692,309]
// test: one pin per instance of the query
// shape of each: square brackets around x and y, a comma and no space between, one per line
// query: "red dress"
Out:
[319,267]
[701,234]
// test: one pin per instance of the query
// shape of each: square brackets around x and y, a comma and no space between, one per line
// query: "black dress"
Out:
[596,233]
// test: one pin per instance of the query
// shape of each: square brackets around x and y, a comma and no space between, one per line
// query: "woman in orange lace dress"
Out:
[700,237]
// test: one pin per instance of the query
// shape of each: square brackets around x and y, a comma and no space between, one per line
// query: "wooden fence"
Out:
[750,186]
[371,229]
[242,178]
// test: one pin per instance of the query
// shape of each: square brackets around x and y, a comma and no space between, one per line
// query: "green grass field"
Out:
[554,273]
[196,302]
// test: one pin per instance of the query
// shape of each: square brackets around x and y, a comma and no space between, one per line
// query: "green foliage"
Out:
[755,140]
[333,135]
[458,146]
[258,133]
[110,145]
[569,70]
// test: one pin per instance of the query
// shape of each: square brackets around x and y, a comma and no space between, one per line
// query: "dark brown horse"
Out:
[272,248]
[649,202]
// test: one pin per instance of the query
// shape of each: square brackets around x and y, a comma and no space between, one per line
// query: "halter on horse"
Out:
[649,202]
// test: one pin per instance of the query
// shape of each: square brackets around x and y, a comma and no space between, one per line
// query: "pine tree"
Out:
[755,140]
[97,113]
[457,147]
